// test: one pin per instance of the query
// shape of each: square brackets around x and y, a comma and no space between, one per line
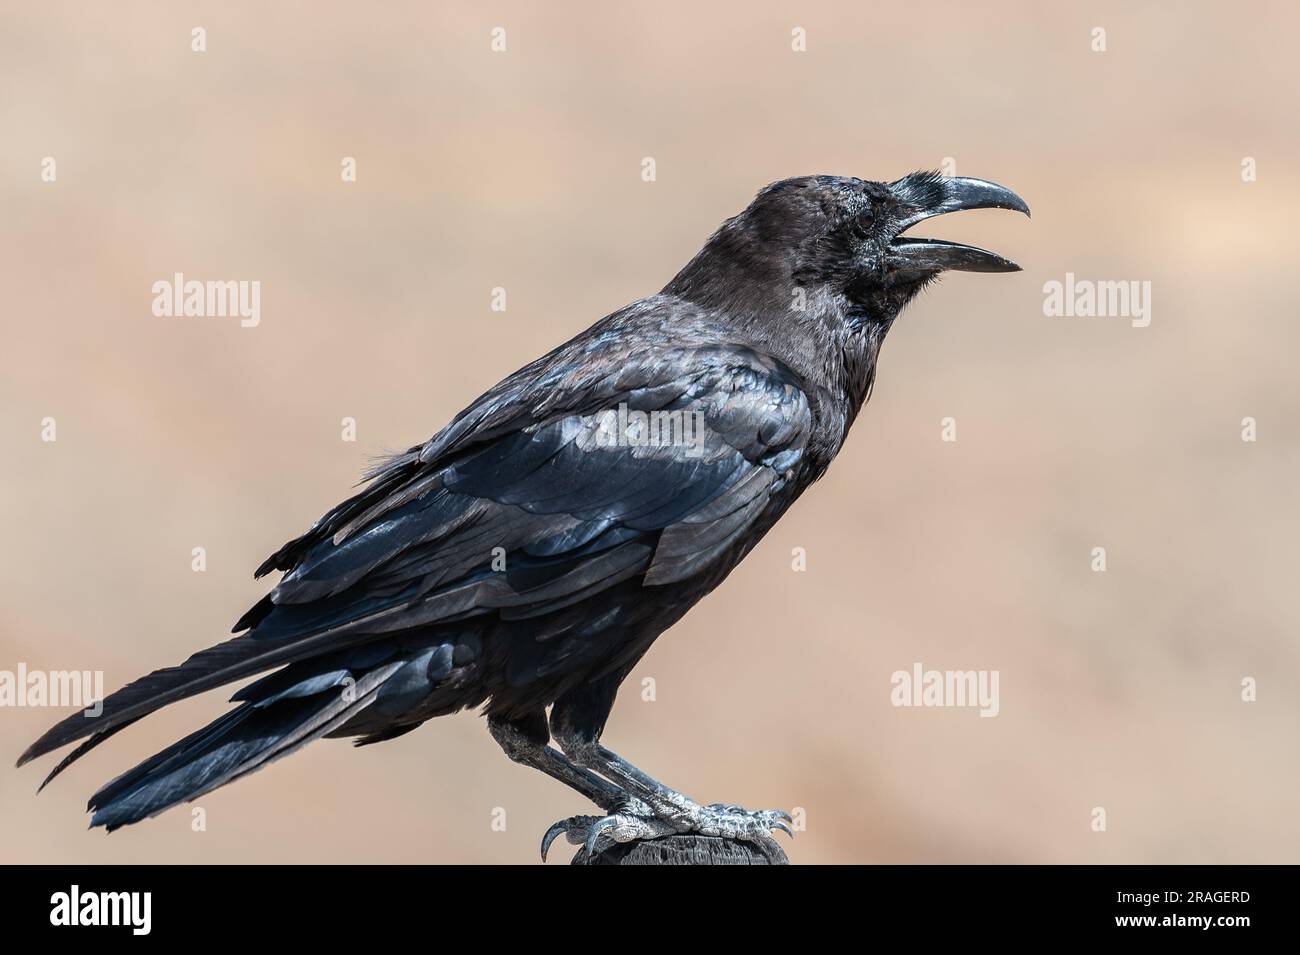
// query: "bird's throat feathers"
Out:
[830,340]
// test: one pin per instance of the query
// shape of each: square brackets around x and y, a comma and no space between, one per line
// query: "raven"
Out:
[527,555]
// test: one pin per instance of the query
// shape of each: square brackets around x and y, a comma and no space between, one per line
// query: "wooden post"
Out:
[680,850]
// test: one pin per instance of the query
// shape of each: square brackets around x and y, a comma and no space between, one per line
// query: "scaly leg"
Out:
[524,741]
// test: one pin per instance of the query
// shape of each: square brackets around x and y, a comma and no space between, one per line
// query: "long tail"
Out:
[376,690]
[240,657]
[245,739]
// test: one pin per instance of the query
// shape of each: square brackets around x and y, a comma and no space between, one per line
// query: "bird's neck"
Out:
[830,342]
[833,358]
[858,355]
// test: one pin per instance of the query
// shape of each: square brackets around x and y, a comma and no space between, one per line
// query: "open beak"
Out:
[929,196]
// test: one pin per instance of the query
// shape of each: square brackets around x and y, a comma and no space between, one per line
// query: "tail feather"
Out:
[241,742]
[234,659]
[82,750]
[202,671]
[166,760]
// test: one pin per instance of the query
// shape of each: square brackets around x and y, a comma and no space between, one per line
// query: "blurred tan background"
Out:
[522,170]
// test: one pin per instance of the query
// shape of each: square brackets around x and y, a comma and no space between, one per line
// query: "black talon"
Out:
[563,826]
[549,837]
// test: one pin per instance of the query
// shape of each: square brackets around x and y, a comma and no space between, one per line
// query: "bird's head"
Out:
[825,241]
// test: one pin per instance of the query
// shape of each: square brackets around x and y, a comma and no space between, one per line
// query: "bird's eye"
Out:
[864,222]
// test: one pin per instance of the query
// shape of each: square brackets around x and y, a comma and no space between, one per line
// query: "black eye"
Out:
[864,222]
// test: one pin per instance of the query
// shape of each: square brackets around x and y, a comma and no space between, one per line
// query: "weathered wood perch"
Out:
[680,850]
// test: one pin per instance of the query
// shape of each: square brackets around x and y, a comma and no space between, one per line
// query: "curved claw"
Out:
[565,827]
[784,828]
[595,832]
[550,835]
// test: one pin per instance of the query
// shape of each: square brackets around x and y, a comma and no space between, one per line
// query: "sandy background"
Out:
[522,170]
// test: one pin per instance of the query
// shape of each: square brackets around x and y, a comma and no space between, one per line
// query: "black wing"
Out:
[529,473]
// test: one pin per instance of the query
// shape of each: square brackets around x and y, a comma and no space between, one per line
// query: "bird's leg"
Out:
[670,811]
[524,741]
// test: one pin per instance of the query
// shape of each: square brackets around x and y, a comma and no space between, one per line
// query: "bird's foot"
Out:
[636,821]
[616,827]
[628,820]
[730,821]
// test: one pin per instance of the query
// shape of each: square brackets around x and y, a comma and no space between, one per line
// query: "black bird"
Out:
[527,555]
